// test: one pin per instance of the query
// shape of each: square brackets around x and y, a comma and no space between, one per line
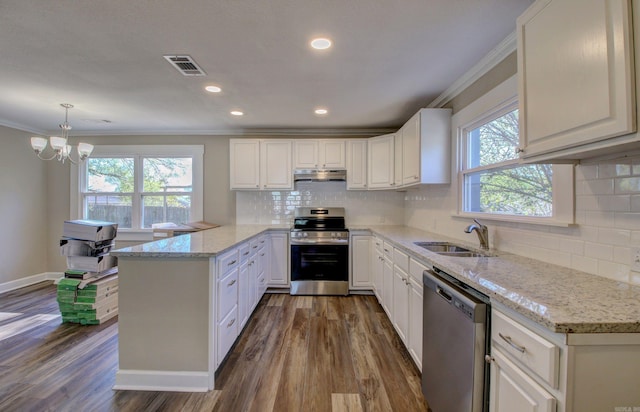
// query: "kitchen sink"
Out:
[449,249]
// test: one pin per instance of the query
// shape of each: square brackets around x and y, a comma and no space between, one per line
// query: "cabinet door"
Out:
[377,262]
[397,158]
[275,164]
[414,340]
[380,161]
[278,274]
[356,164]
[243,294]
[387,286]
[305,154]
[400,303]
[360,262]
[575,73]
[512,390]
[411,151]
[332,154]
[244,158]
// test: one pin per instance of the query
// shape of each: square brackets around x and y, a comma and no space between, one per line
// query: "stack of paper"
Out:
[92,230]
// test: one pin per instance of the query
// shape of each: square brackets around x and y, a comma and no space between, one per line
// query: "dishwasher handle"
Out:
[443,294]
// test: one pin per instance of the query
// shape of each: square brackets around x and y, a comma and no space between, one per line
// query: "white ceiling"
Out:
[390,58]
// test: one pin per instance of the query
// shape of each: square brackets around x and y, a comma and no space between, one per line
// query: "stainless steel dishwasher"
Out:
[455,342]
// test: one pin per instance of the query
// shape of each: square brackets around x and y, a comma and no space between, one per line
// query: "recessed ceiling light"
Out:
[213,89]
[320,43]
[321,111]
[237,113]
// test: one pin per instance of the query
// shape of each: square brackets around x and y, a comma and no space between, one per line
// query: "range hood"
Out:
[319,175]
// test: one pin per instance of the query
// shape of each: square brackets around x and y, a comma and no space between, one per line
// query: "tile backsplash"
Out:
[603,242]
[362,207]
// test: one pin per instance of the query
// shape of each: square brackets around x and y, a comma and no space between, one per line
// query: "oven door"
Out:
[320,262]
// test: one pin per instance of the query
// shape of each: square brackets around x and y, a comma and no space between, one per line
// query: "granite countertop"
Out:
[202,244]
[561,299]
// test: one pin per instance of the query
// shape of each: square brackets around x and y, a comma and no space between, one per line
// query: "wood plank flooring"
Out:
[297,353]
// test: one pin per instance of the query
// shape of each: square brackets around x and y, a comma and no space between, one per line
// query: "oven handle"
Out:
[300,242]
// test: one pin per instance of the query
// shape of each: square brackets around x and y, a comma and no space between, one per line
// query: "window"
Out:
[137,186]
[493,183]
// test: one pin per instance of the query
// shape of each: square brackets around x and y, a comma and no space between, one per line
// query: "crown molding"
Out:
[495,56]
[364,132]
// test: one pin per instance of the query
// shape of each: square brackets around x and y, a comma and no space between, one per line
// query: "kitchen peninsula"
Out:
[173,315]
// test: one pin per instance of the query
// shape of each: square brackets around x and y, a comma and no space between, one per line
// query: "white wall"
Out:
[602,243]
[362,207]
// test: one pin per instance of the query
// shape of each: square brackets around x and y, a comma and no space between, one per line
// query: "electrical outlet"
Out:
[635,260]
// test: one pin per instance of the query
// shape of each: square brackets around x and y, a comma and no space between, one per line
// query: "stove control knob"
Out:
[305,234]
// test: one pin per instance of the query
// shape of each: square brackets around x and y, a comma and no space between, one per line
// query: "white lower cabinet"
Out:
[513,390]
[278,271]
[360,262]
[243,294]
[387,286]
[400,312]
[227,334]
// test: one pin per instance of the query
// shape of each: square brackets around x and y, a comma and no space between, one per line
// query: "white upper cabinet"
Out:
[275,164]
[319,154]
[244,158]
[356,164]
[380,161]
[426,148]
[576,79]
[257,164]
[397,159]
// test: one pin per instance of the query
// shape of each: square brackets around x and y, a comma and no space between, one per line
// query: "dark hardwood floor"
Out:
[297,353]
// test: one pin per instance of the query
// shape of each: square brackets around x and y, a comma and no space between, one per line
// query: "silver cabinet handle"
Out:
[519,150]
[245,253]
[488,358]
[514,345]
[232,283]
[231,323]
[232,262]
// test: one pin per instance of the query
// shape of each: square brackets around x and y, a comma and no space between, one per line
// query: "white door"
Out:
[360,262]
[278,274]
[275,164]
[356,164]
[512,390]
[380,161]
[400,303]
[414,343]
[244,158]
[305,154]
[332,154]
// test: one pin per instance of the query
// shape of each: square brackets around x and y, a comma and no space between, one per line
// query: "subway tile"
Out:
[587,202]
[587,172]
[613,170]
[629,221]
[611,236]
[600,219]
[620,203]
[635,203]
[622,255]
[627,185]
[598,187]
[598,251]
[585,264]
[613,271]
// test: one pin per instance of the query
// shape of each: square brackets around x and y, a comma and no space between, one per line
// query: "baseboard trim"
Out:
[28,281]
[168,381]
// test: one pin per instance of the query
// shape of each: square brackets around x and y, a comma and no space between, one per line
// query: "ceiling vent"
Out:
[185,65]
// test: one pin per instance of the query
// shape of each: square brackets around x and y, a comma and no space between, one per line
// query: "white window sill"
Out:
[542,221]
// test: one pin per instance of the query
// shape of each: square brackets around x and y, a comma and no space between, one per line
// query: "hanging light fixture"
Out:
[61,150]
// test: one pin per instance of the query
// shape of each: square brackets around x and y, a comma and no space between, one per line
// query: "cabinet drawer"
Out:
[528,348]
[401,259]
[244,251]
[387,249]
[255,244]
[227,334]
[226,262]
[377,243]
[227,293]
[415,270]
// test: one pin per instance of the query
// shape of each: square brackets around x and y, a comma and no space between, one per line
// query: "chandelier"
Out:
[61,150]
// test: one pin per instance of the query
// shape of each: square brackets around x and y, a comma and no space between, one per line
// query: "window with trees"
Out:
[493,183]
[137,186]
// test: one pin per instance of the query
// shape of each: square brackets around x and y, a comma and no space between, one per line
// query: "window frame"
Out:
[498,102]
[138,152]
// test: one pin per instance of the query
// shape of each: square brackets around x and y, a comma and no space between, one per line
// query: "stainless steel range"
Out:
[319,252]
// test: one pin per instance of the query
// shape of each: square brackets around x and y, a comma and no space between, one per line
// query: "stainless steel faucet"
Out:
[482,231]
